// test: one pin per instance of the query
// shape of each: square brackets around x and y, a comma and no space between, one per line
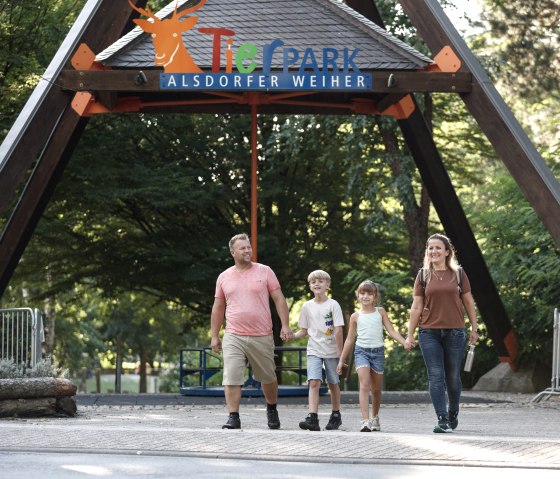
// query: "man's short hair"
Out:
[319,274]
[241,236]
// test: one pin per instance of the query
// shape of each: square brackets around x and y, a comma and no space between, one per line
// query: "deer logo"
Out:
[171,52]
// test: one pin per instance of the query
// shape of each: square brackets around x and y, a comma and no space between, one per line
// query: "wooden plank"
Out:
[444,198]
[32,128]
[448,206]
[28,211]
[47,117]
[530,171]
[401,81]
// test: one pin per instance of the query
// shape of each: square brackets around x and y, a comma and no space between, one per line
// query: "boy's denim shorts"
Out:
[373,358]
[315,369]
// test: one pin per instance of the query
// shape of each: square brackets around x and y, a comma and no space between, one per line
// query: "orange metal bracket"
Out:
[401,110]
[84,104]
[81,102]
[510,342]
[84,59]
[445,61]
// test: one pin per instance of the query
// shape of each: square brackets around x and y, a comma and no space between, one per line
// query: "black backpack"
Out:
[459,273]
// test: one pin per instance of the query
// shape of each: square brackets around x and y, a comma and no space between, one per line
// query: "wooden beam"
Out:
[440,188]
[46,132]
[394,82]
[44,178]
[495,118]
[434,175]
[100,23]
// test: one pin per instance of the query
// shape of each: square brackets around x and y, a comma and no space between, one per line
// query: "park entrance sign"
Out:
[328,69]
[271,57]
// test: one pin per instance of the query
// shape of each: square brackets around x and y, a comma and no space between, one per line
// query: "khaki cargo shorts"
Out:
[258,351]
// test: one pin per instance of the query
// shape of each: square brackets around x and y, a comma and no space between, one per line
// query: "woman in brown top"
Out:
[438,308]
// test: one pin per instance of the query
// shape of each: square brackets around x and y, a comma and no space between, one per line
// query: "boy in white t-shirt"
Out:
[321,319]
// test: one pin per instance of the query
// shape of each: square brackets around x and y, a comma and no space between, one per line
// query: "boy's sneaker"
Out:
[366,426]
[453,419]
[443,425]
[311,422]
[374,423]
[233,422]
[335,421]
[273,419]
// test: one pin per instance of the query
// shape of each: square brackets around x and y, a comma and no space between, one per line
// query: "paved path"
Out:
[495,430]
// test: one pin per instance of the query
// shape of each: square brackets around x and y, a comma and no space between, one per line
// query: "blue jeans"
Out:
[443,351]
[372,358]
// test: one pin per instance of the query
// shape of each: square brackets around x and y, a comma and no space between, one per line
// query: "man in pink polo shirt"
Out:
[242,296]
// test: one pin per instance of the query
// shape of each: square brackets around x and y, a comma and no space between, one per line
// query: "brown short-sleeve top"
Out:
[443,307]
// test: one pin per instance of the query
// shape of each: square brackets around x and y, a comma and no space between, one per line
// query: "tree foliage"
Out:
[127,252]
[30,33]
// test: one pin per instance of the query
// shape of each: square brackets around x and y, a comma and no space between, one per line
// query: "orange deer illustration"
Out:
[171,52]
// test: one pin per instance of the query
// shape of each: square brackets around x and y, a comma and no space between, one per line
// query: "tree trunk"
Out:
[36,388]
[50,325]
[48,406]
[118,368]
[416,214]
[143,375]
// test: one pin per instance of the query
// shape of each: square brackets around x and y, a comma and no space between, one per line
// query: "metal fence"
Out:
[21,335]
[554,388]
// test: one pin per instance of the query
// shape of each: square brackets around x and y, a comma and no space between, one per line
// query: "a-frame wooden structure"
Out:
[50,125]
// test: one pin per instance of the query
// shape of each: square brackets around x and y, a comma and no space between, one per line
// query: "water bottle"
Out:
[470,357]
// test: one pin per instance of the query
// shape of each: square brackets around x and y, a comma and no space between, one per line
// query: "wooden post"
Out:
[254,180]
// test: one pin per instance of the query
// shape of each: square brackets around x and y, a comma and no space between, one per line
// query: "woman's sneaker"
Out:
[443,425]
[374,423]
[365,426]
[453,419]
[335,421]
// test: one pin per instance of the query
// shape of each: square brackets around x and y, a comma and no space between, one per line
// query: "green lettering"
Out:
[247,51]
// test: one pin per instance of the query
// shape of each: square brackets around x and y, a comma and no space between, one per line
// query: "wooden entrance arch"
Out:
[76,87]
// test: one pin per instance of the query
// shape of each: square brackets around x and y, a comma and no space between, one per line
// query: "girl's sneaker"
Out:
[365,426]
[374,423]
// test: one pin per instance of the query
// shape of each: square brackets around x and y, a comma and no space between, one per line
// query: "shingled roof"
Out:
[299,23]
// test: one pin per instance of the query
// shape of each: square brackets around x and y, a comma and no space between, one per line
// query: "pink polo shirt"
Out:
[246,294]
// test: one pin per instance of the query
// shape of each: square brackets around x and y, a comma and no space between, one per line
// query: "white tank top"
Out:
[370,330]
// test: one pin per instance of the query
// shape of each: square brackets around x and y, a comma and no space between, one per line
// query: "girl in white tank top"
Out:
[365,331]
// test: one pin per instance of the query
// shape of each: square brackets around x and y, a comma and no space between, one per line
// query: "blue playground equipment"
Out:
[200,373]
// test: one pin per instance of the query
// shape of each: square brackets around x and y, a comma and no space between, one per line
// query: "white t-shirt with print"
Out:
[320,320]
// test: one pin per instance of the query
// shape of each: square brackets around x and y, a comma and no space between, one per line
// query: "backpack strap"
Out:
[459,273]
[422,278]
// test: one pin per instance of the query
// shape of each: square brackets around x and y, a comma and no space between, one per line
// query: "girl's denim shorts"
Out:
[374,358]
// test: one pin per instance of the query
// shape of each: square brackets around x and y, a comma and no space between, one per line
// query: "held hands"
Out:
[409,343]
[341,367]
[286,334]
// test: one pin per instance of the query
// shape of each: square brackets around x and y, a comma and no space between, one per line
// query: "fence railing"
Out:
[554,388]
[21,335]
[198,365]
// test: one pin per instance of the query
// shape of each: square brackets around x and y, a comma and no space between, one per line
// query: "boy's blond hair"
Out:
[319,274]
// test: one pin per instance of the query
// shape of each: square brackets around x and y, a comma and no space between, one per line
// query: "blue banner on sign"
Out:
[266,81]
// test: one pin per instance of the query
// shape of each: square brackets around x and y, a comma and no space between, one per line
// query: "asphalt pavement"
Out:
[495,430]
